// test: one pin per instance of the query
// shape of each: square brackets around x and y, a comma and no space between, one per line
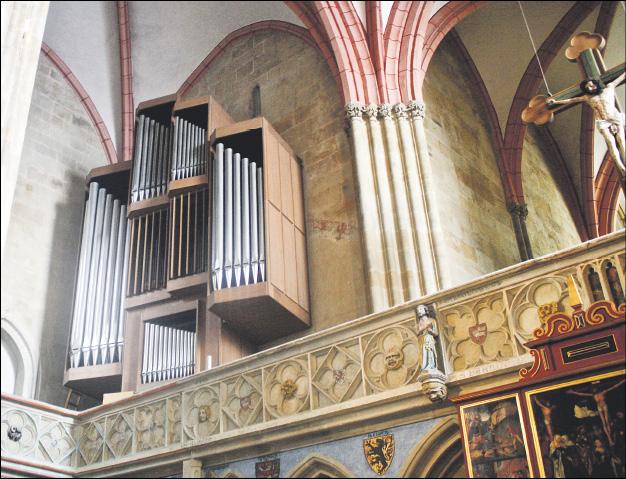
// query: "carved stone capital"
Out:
[354,110]
[400,110]
[417,110]
[370,111]
[384,110]
[434,384]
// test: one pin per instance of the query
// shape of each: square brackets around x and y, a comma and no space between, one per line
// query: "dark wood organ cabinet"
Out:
[193,255]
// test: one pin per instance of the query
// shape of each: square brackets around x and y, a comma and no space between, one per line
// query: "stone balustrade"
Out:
[337,378]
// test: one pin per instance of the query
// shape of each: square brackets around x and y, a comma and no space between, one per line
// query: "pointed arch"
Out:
[376,42]
[439,454]
[393,39]
[444,20]
[20,354]
[276,25]
[316,465]
[411,49]
[87,102]
[607,188]
[528,86]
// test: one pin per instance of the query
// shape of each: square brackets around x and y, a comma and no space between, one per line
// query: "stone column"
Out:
[192,468]
[22,31]
[386,204]
[432,232]
[417,195]
[407,246]
[368,208]
[519,213]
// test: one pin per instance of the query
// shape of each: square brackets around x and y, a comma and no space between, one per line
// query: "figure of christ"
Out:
[546,410]
[609,120]
[603,409]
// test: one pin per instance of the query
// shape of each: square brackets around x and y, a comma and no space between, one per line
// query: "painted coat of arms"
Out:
[478,333]
[267,468]
[379,452]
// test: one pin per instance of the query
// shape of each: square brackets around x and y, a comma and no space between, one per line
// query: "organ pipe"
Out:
[189,150]
[168,353]
[237,243]
[151,159]
[97,319]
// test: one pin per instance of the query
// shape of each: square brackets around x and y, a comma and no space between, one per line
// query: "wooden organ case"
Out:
[214,259]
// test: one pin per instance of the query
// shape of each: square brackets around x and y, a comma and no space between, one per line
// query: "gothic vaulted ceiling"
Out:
[169,39]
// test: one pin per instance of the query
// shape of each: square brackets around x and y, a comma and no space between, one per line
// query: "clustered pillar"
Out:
[399,224]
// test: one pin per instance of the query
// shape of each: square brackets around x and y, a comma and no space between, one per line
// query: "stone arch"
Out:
[439,454]
[86,101]
[276,25]
[607,188]
[17,351]
[315,465]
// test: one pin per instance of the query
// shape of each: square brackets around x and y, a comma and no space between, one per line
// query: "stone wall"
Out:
[550,223]
[470,198]
[300,98]
[60,147]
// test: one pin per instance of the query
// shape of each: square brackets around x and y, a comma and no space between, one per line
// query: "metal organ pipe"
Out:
[237,219]
[218,215]
[254,225]
[238,234]
[245,220]
[97,320]
[169,353]
[228,216]
[261,225]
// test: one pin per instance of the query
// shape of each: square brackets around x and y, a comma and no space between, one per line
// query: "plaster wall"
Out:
[300,99]
[470,199]
[38,269]
[550,223]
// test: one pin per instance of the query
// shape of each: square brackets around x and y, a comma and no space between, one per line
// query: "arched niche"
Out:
[18,370]
[318,466]
[439,454]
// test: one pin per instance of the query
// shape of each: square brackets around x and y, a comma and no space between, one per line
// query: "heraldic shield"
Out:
[379,452]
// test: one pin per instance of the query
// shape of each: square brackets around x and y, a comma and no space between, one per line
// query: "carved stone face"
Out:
[289,389]
[245,402]
[394,359]
[204,414]
[339,375]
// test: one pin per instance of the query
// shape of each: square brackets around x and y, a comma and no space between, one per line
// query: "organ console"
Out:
[192,256]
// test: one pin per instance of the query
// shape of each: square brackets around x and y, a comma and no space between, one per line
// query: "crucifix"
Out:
[596,90]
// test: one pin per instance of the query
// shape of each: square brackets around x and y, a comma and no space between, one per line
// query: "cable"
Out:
[535,48]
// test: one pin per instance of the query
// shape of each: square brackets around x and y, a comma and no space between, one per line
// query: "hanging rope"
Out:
[535,48]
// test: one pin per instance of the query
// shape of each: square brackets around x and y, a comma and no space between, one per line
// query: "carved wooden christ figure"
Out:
[596,90]
[609,120]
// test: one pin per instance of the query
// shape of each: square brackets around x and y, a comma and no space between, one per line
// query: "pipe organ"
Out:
[205,264]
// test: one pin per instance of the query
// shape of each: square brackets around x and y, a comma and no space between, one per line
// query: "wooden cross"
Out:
[585,50]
